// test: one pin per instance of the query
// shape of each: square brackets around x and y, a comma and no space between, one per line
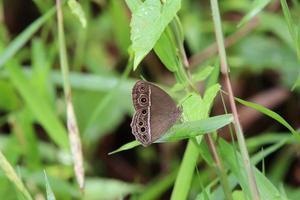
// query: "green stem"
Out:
[237,125]
[190,158]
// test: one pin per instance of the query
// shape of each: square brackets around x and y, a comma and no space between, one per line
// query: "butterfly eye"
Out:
[143,100]
[143,129]
[144,111]
[142,88]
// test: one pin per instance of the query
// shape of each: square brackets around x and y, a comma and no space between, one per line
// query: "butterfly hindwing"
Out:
[140,126]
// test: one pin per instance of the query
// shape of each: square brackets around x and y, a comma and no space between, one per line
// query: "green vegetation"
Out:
[67,69]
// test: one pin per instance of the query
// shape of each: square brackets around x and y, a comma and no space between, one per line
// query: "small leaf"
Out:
[210,94]
[202,74]
[148,23]
[271,114]
[77,10]
[49,192]
[257,6]
[125,147]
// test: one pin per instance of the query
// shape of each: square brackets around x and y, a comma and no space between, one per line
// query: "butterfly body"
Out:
[155,112]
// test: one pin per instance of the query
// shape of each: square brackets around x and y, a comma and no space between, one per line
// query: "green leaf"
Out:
[271,114]
[133,4]
[49,192]
[22,38]
[238,195]
[125,147]
[166,51]
[194,128]
[8,97]
[121,30]
[186,130]
[42,111]
[256,7]
[210,94]
[227,150]
[193,108]
[77,10]
[202,74]
[148,23]
[266,189]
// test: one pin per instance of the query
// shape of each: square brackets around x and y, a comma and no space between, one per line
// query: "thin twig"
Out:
[237,125]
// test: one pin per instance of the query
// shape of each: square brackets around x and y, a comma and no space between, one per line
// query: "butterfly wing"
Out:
[140,124]
[164,112]
[155,113]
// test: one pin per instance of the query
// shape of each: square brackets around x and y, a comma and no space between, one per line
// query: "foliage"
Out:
[108,45]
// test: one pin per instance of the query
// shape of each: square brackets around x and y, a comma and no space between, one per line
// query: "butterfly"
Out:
[156,112]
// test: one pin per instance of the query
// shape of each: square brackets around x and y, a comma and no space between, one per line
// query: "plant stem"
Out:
[191,154]
[237,125]
[74,136]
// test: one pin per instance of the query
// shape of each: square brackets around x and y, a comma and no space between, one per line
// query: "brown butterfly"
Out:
[156,112]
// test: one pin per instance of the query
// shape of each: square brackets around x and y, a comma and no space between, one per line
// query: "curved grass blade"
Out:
[271,114]
[257,6]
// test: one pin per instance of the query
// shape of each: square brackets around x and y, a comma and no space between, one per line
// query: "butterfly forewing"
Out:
[155,113]
[164,112]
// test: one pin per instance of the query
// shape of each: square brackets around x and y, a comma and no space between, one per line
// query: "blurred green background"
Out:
[33,135]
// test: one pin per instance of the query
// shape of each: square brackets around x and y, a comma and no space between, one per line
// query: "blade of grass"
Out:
[40,108]
[238,129]
[271,114]
[257,6]
[74,135]
[49,192]
[13,177]
[22,38]
[158,187]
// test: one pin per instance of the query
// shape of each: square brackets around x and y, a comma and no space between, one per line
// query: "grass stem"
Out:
[237,125]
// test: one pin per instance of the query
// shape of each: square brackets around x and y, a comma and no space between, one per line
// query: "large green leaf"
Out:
[148,23]
[187,130]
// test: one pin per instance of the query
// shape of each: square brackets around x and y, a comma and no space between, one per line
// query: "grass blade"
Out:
[21,39]
[271,114]
[74,135]
[257,6]
[40,108]
[13,177]
[49,192]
